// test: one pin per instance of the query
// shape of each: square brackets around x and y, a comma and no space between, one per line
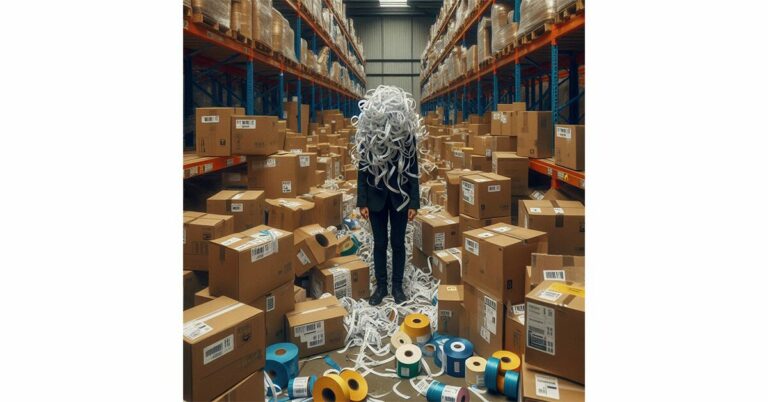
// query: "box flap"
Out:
[315,310]
[210,318]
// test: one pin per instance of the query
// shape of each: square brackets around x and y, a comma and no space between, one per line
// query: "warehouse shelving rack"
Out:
[252,77]
[519,70]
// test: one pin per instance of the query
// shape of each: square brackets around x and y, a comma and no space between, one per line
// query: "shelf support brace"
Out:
[554,88]
[298,106]
[249,88]
[495,101]
[280,95]
[518,78]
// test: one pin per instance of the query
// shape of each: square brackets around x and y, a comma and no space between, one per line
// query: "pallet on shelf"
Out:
[200,18]
[187,11]
[536,32]
[569,11]
[262,47]
[238,36]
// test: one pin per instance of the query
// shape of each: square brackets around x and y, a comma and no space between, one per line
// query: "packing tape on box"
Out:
[282,362]
[457,351]
[358,386]
[417,326]
[408,361]
[508,361]
[399,339]
[331,388]
[301,387]
[511,384]
[474,371]
[491,372]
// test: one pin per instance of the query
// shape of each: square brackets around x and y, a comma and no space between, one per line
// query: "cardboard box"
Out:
[448,150]
[289,213]
[419,259]
[247,265]
[450,309]
[478,129]
[534,134]
[291,116]
[514,329]
[328,208]
[435,232]
[213,130]
[555,268]
[475,119]
[569,146]
[509,164]
[276,304]
[256,135]
[469,223]
[350,172]
[299,294]
[341,277]
[554,321]
[199,229]
[495,258]
[277,174]
[313,245]
[246,207]
[477,162]
[453,189]
[250,389]
[485,319]
[307,168]
[234,180]
[295,143]
[562,220]
[511,107]
[223,344]
[485,195]
[203,296]
[447,268]
[538,386]
[502,124]
[317,326]
[193,283]
[485,145]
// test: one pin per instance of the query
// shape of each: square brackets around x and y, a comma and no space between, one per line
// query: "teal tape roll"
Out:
[438,341]
[511,384]
[457,351]
[282,363]
[491,372]
[435,391]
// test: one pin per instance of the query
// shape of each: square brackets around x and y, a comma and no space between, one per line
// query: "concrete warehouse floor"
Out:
[379,385]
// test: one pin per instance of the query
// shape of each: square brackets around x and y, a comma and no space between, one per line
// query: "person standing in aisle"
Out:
[388,179]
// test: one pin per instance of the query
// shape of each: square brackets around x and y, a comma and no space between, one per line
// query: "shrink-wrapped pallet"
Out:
[261,21]
[217,11]
[484,40]
[240,17]
[503,29]
[534,13]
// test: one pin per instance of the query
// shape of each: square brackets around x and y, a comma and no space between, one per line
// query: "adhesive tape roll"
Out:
[428,349]
[439,342]
[358,386]
[491,372]
[282,363]
[330,388]
[399,339]
[408,361]
[508,361]
[301,387]
[457,351]
[511,384]
[417,327]
[435,391]
[500,383]
[453,393]
[474,372]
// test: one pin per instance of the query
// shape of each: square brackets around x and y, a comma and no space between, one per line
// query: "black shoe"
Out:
[379,294]
[398,294]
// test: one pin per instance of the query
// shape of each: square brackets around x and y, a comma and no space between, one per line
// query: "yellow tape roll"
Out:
[358,387]
[475,371]
[399,339]
[417,327]
[508,361]
[330,388]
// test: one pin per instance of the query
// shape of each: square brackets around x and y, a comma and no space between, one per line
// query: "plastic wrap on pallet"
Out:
[472,58]
[503,30]
[533,13]
[484,40]
[322,60]
[217,10]
[561,4]
[188,3]
[277,30]
[304,51]
[289,48]
[241,18]
[261,21]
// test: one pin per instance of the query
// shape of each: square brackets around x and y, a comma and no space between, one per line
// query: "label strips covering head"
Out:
[387,137]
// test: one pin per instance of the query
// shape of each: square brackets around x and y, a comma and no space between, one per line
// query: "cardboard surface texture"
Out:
[555,268]
[246,207]
[276,174]
[453,189]
[563,221]
[250,389]
[485,195]
[199,229]
[212,130]
[448,269]
[435,232]
[289,213]
[450,309]
[534,134]
[569,146]
[256,135]
[509,164]
[485,319]
[317,326]
[341,277]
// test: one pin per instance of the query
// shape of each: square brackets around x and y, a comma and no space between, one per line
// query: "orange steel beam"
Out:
[344,30]
[201,165]
[549,168]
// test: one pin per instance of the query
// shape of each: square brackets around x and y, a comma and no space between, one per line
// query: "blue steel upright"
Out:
[518,75]
[280,96]
[479,98]
[249,88]
[495,101]
[554,87]
[298,107]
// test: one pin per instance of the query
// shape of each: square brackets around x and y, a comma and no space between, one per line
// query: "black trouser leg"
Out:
[379,227]
[399,221]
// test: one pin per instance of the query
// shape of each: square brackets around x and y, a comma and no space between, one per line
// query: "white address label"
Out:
[564,132]
[540,328]
[248,124]
[494,188]
[218,349]
[303,160]
[209,119]
[237,207]
[547,387]
[472,246]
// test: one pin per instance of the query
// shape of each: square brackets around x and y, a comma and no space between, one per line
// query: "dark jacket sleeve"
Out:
[362,187]
[415,201]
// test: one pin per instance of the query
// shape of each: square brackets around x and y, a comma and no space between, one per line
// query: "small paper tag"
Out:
[237,207]
[209,119]
[494,188]
[547,387]
[271,162]
[550,295]
[534,210]
[249,124]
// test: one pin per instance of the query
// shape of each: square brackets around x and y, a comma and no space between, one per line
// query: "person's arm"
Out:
[415,201]
[362,187]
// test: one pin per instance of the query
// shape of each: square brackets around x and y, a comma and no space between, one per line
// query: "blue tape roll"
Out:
[511,384]
[438,341]
[310,387]
[457,351]
[282,363]
[491,372]
[435,391]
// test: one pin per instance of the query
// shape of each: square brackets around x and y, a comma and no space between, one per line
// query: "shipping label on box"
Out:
[485,195]
[485,317]
[435,232]
[256,135]
[277,174]
[346,276]
[213,130]
[247,207]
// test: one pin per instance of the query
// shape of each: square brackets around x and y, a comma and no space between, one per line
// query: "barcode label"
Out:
[302,330]
[270,303]
[439,241]
[302,256]
[196,329]
[547,386]
[558,275]
[209,119]
[485,334]
[315,340]
[540,328]
[271,162]
[489,319]
[494,188]
[249,124]
[564,132]
[303,160]
[468,192]
[518,309]
[342,285]
[218,349]
[286,186]
[472,246]
[537,195]
[265,243]
[423,385]
[230,241]
[446,313]
[458,153]
[535,210]
[495,115]
[300,388]
[488,153]
[450,393]
[237,207]
[550,295]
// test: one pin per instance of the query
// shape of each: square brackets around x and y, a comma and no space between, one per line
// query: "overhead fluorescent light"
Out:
[393,3]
